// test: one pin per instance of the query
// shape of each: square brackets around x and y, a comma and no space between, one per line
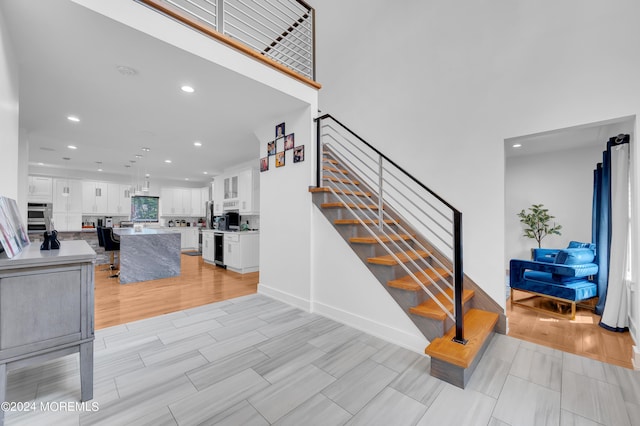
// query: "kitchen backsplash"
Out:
[254,221]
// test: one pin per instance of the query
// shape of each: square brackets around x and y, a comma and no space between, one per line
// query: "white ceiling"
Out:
[594,134]
[68,58]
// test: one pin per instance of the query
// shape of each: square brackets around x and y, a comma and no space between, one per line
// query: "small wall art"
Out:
[289,142]
[298,154]
[264,164]
[280,130]
[280,159]
[271,148]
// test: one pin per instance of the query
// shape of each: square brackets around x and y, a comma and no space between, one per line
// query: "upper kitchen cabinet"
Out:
[175,201]
[237,191]
[94,197]
[40,189]
[199,196]
[218,196]
[249,192]
[67,205]
[118,199]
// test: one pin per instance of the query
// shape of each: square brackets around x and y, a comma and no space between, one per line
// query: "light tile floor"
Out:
[256,361]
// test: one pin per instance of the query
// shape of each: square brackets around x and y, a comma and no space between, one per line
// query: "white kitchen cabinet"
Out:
[208,247]
[118,199]
[241,251]
[199,196]
[94,197]
[188,237]
[67,205]
[249,192]
[40,189]
[218,196]
[176,201]
[231,187]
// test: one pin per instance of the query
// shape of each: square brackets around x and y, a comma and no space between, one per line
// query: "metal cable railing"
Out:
[433,261]
[282,30]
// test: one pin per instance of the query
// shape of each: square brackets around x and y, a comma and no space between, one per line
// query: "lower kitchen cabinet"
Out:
[241,251]
[208,247]
[189,237]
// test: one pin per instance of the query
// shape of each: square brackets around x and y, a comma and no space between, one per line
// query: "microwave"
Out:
[232,220]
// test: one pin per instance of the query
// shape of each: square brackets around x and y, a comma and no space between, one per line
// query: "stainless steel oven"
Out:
[36,214]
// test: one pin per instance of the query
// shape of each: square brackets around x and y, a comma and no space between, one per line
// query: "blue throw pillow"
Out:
[575,256]
[577,244]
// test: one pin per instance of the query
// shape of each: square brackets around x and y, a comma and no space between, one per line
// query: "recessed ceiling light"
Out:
[516,145]
[188,89]
[40,164]
[167,161]
[72,147]
[147,175]
[206,173]
[99,170]
[138,155]
[145,149]
[196,143]
[186,178]
[73,118]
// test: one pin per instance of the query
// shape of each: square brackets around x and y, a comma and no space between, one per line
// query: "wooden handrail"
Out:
[207,30]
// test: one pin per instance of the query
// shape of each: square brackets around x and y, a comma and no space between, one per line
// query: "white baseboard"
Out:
[285,297]
[415,343]
[635,358]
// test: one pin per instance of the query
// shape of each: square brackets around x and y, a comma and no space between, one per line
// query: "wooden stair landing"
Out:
[454,362]
[478,325]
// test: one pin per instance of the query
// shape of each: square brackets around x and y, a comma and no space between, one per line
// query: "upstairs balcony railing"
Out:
[280,31]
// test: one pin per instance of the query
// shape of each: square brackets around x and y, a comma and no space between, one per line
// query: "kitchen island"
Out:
[148,254]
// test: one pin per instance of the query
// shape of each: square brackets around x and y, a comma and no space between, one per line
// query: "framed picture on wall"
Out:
[271,148]
[280,159]
[264,164]
[289,142]
[280,130]
[298,154]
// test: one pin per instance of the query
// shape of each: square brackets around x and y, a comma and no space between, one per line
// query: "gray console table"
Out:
[46,310]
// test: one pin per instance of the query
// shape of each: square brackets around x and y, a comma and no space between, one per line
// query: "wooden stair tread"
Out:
[335,170]
[403,256]
[383,238]
[478,325]
[408,283]
[430,309]
[339,205]
[341,180]
[366,221]
[330,160]
[341,191]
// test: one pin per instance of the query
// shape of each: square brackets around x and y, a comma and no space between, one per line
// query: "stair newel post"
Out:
[458,276]
[318,154]
[380,221]
[220,16]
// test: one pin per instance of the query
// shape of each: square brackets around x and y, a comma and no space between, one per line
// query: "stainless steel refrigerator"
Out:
[209,210]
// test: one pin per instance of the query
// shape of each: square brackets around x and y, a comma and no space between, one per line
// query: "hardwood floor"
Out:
[198,284]
[582,336]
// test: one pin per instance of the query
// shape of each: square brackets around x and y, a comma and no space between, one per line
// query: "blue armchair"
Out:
[564,275]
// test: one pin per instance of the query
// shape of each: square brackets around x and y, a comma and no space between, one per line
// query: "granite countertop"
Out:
[217,231]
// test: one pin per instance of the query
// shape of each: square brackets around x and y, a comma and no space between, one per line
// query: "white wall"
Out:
[285,213]
[9,132]
[439,88]
[563,182]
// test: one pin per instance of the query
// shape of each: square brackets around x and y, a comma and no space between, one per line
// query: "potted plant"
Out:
[537,223]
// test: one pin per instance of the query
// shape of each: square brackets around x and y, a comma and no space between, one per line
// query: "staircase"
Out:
[418,271]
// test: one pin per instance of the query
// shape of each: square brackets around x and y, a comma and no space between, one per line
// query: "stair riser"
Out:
[333,213]
[448,322]
[455,375]
[350,231]
[349,186]
[393,272]
[365,251]
[406,299]
[349,198]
